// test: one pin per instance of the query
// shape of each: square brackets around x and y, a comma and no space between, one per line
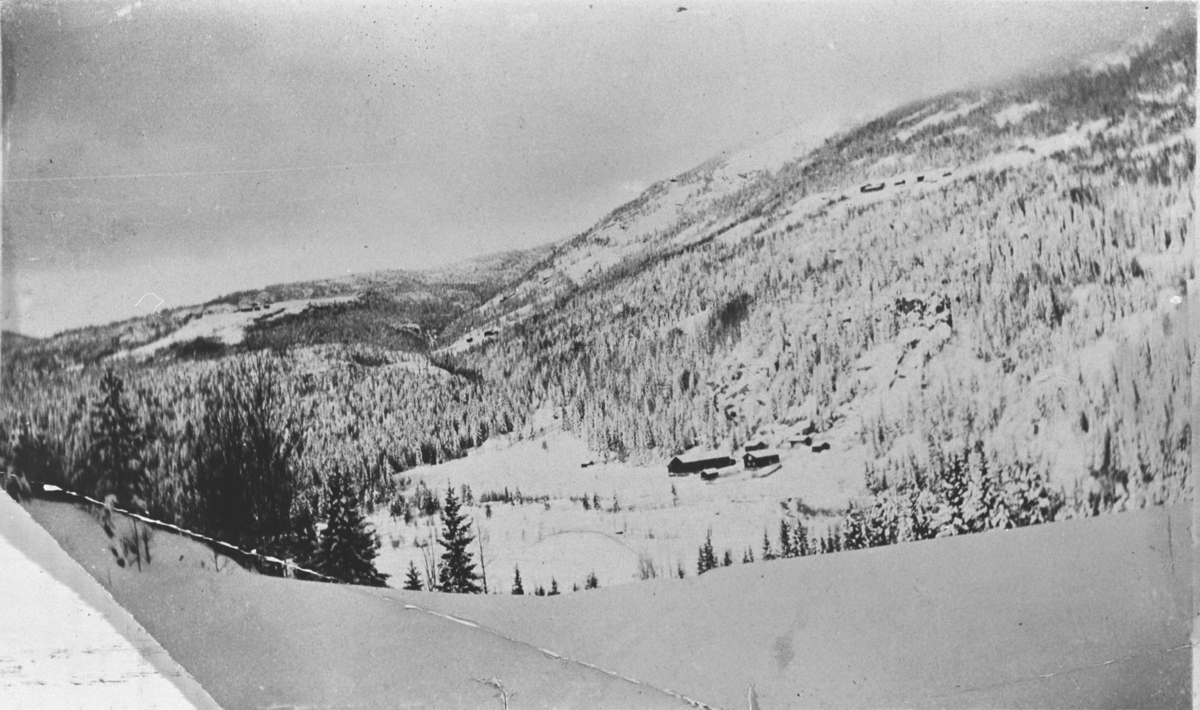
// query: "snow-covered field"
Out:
[265,642]
[559,539]
[939,118]
[1085,613]
[228,324]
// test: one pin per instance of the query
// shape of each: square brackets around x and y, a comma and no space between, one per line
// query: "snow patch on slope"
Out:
[228,325]
[1016,113]
[939,118]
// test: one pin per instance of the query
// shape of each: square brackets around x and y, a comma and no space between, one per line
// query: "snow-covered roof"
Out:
[763,453]
[693,456]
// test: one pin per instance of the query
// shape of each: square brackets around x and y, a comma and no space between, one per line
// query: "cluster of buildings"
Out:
[708,463]
[756,455]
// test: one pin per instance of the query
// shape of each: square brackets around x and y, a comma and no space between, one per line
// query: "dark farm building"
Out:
[692,462]
[760,458]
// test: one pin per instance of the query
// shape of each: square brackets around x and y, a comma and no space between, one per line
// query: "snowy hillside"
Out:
[977,270]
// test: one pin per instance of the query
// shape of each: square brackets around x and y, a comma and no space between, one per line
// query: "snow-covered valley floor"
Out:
[650,526]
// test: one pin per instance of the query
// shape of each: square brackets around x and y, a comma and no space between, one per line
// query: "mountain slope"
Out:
[991,266]
[395,309]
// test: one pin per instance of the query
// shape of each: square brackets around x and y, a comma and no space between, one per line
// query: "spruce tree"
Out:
[786,546]
[457,572]
[517,588]
[553,587]
[539,591]
[748,556]
[835,541]
[592,581]
[952,489]
[767,553]
[728,559]
[707,559]
[412,582]
[854,537]
[800,539]
[114,455]
[306,542]
[348,544]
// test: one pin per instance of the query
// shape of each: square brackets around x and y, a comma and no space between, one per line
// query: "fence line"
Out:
[289,567]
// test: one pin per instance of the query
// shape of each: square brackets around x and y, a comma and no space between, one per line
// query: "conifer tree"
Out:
[114,455]
[728,559]
[539,591]
[707,558]
[457,572]
[767,552]
[553,587]
[952,489]
[855,536]
[787,547]
[835,541]
[306,543]
[592,581]
[800,539]
[348,546]
[412,582]
[517,588]
[748,556]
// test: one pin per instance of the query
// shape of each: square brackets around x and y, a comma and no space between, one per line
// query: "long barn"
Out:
[692,462]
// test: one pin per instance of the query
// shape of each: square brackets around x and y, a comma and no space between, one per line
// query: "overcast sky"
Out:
[189,149]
